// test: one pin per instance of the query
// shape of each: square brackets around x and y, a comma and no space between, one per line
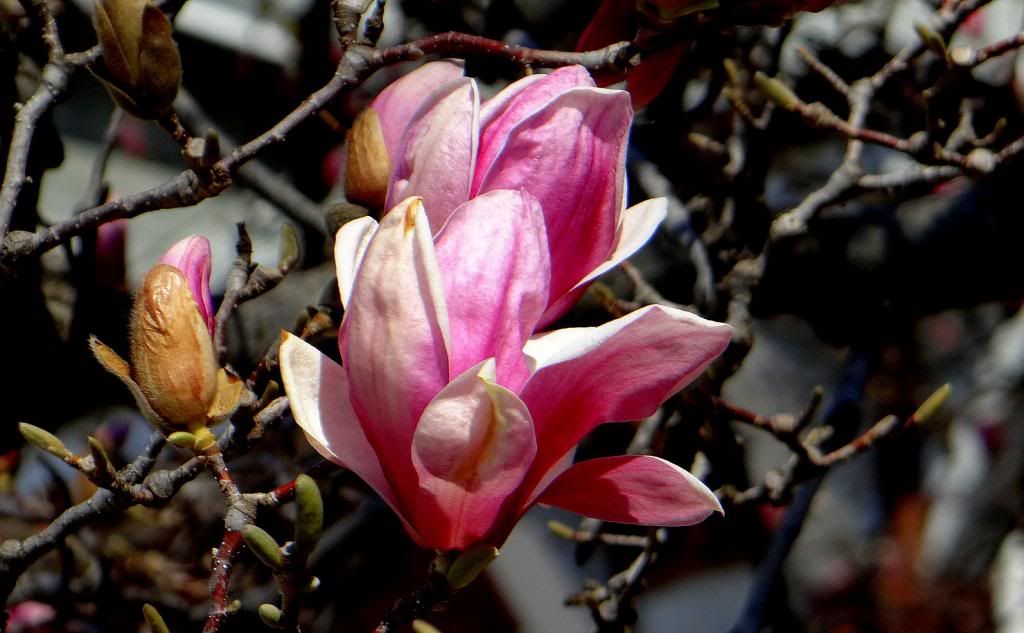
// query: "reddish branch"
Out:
[223,562]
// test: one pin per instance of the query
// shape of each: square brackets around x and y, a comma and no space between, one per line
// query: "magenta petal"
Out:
[318,395]
[622,370]
[637,489]
[473,446]
[493,254]
[192,257]
[517,102]
[438,151]
[396,104]
[394,338]
[580,136]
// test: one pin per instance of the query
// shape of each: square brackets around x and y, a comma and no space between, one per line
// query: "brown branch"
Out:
[53,83]
[358,63]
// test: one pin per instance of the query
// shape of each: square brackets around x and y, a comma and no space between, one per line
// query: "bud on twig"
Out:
[154,619]
[171,350]
[263,546]
[309,520]
[422,626]
[140,58]
[43,439]
[931,39]
[777,91]
[270,615]
[932,405]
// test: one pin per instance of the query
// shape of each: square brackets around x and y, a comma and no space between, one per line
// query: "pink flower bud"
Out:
[191,256]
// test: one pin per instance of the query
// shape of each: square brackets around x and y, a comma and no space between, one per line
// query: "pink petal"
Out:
[571,156]
[622,370]
[397,103]
[438,151]
[318,395]
[394,338]
[636,226]
[192,257]
[493,254]
[472,447]
[517,102]
[349,248]
[637,489]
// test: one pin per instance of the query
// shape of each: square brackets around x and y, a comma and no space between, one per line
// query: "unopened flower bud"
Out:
[367,164]
[141,60]
[270,615]
[171,350]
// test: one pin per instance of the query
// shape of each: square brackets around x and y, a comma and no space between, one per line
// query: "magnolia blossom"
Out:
[453,410]
[556,136]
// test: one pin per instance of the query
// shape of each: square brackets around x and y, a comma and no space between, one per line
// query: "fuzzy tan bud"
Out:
[171,350]
[367,164]
[140,58]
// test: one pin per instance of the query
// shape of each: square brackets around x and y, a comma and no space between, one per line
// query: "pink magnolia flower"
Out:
[556,136]
[454,412]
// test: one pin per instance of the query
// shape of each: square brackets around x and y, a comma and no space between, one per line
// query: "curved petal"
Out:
[318,395]
[637,225]
[192,257]
[396,104]
[473,446]
[437,154]
[394,337]
[637,489]
[517,102]
[349,248]
[571,156]
[622,370]
[493,254]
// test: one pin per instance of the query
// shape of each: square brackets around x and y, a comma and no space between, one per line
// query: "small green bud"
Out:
[104,467]
[309,519]
[270,615]
[931,39]
[777,91]
[44,440]
[932,405]
[470,564]
[561,530]
[154,619]
[182,439]
[263,546]
[422,626]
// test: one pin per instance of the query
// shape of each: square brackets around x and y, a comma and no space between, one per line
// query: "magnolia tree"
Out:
[477,322]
